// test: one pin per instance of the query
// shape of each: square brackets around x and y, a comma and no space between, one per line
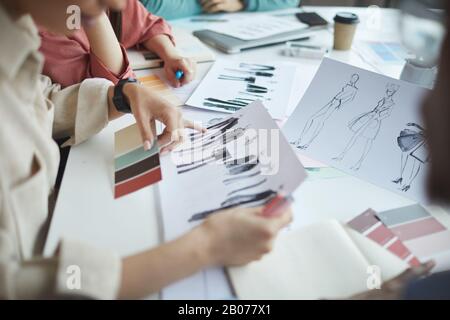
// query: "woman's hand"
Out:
[172,64]
[394,289]
[214,6]
[241,235]
[148,106]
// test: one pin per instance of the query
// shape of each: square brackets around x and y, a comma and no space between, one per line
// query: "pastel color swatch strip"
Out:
[421,233]
[156,84]
[370,226]
[135,168]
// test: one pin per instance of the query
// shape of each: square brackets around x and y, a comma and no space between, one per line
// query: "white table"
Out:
[86,209]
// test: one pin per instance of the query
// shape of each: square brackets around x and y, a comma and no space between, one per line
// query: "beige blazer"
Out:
[32,110]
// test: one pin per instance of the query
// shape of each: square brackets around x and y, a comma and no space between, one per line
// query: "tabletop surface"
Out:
[86,209]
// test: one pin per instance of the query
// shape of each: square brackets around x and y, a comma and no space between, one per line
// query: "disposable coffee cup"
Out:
[345,24]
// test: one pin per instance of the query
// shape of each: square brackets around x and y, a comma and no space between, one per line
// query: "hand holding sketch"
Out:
[234,164]
[242,235]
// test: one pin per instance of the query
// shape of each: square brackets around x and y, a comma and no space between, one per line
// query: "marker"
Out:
[277,206]
[179,74]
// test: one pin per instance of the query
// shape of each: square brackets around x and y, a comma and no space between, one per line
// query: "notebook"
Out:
[321,261]
[187,45]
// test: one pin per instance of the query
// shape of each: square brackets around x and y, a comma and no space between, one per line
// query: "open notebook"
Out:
[326,260]
[187,45]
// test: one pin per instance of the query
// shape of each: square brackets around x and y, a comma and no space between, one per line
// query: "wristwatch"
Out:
[119,99]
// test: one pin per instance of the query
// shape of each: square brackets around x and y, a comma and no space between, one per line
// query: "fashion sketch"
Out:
[367,126]
[249,200]
[412,143]
[317,122]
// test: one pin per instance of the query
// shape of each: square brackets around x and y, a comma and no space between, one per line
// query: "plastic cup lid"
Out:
[346,17]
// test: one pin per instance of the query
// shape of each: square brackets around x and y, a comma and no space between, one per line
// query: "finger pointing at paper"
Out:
[147,106]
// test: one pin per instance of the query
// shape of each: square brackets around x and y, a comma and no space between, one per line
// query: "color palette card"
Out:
[135,168]
[369,225]
[421,233]
[156,84]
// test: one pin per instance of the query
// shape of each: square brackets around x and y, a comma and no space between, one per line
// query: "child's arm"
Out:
[105,46]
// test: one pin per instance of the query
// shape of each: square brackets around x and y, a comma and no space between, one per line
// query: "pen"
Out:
[295,45]
[276,206]
[208,20]
[179,74]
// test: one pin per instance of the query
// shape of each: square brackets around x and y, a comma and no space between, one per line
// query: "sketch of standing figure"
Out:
[316,123]
[367,126]
[413,145]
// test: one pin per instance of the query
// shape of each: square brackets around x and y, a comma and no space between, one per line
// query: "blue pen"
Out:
[179,74]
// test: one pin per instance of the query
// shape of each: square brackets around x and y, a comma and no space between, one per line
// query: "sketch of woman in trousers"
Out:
[412,143]
[367,126]
[316,123]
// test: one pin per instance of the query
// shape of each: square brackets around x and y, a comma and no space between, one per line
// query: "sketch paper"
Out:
[258,27]
[365,124]
[233,164]
[135,168]
[230,86]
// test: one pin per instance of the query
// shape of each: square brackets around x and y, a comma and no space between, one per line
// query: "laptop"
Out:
[232,45]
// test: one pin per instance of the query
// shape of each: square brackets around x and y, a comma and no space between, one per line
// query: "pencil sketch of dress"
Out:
[317,121]
[412,143]
[367,126]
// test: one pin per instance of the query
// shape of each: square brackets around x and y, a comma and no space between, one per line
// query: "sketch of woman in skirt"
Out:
[412,143]
[317,121]
[367,126]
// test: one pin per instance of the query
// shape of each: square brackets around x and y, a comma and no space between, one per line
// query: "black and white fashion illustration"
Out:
[367,126]
[317,121]
[413,145]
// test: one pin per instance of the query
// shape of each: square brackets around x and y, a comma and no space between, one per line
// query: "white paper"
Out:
[251,175]
[231,85]
[258,27]
[365,124]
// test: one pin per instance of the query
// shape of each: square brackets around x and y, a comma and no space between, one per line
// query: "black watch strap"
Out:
[119,99]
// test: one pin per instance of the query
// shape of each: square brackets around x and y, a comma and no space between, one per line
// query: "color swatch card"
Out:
[135,168]
[231,85]
[370,226]
[157,85]
[421,233]
[365,124]
[411,233]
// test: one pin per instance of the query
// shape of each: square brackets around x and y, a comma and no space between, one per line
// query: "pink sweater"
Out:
[69,60]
